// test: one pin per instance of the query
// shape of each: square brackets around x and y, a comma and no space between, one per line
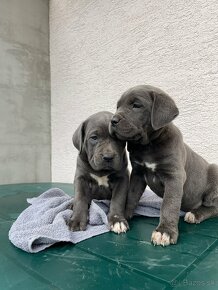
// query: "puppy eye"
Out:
[136,105]
[94,138]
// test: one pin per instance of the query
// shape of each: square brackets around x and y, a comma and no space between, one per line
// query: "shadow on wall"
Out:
[24,92]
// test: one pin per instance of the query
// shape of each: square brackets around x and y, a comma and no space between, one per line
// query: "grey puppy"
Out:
[161,160]
[101,172]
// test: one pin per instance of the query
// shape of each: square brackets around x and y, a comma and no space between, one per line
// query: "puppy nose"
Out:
[108,157]
[115,120]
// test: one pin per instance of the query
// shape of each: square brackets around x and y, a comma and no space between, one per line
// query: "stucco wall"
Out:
[24,91]
[101,48]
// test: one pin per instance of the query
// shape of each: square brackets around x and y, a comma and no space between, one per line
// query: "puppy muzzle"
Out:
[123,129]
[107,161]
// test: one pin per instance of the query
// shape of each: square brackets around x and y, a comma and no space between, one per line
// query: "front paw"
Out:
[118,224]
[77,224]
[164,237]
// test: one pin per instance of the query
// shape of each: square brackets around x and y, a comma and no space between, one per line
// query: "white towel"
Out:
[43,223]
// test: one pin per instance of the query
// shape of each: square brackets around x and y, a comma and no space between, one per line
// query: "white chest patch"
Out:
[103,180]
[151,166]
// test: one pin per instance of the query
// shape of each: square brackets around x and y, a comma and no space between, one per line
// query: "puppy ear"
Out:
[79,136]
[164,110]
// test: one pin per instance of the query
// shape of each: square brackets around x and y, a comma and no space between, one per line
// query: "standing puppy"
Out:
[101,172]
[161,160]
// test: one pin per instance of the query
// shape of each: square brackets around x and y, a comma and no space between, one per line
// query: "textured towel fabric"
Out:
[43,223]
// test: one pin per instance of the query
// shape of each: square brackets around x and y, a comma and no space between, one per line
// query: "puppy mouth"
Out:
[125,129]
[131,133]
[125,137]
[107,166]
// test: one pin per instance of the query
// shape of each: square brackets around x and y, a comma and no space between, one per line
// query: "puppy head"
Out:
[97,146]
[140,111]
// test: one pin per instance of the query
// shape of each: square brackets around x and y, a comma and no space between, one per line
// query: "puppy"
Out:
[101,172]
[161,160]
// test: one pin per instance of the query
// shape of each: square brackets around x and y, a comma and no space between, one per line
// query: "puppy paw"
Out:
[164,238]
[190,218]
[160,239]
[77,225]
[118,225]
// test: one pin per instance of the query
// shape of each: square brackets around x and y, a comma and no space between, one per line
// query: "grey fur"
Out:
[99,155]
[181,177]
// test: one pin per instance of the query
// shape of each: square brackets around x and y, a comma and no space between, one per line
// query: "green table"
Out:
[109,261]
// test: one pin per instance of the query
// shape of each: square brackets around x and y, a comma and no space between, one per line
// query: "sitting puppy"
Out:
[101,172]
[161,160]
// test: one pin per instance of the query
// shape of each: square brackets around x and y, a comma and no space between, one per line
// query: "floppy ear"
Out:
[164,110]
[78,137]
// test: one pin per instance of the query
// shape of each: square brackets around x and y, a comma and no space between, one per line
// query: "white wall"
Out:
[101,48]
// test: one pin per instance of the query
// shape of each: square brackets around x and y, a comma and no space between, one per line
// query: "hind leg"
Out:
[200,214]
[209,207]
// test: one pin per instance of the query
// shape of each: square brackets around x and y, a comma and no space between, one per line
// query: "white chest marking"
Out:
[103,180]
[152,166]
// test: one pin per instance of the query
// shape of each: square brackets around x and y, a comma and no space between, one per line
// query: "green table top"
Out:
[109,261]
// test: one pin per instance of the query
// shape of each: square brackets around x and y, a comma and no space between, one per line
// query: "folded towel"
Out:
[43,223]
